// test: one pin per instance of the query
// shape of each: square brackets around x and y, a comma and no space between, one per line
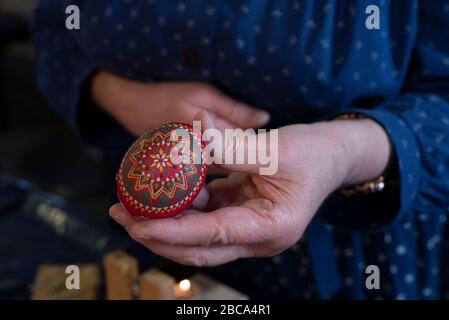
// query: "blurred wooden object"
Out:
[209,289]
[121,272]
[156,285]
[50,283]
[123,282]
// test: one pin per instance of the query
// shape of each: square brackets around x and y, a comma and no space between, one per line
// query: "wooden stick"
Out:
[50,283]
[156,285]
[121,271]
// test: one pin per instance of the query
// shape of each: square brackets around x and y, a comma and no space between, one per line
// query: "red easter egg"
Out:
[162,173]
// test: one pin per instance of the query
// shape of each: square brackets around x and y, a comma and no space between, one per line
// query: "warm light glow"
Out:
[184,285]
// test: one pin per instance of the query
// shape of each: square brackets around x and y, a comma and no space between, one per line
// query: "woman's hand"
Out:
[140,107]
[258,216]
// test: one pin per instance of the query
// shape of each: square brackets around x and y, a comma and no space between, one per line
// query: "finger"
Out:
[206,120]
[240,150]
[236,112]
[225,226]
[215,170]
[221,123]
[119,214]
[225,192]
[197,256]
[202,200]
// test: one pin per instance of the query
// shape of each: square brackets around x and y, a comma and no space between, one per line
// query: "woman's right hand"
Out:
[139,107]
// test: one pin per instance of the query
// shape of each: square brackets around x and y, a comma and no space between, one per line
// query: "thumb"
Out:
[238,113]
[236,149]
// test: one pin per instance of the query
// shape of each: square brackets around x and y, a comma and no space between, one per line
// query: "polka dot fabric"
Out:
[303,61]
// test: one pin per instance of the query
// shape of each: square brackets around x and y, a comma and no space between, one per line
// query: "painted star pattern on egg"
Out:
[149,184]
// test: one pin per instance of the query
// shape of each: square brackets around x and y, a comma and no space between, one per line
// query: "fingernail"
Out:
[209,121]
[112,213]
[205,115]
[262,116]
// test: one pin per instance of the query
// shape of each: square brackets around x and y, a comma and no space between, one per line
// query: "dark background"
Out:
[43,161]
[35,144]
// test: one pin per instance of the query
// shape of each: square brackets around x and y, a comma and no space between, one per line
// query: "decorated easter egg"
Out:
[162,172]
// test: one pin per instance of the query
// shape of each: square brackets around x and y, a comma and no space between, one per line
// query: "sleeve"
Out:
[62,67]
[417,122]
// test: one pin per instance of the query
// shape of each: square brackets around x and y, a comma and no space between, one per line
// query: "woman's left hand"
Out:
[249,215]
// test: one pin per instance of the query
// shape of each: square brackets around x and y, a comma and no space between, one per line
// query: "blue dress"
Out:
[302,61]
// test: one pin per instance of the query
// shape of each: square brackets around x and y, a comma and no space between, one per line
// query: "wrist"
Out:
[345,152]
[364,149]
[113,94]
[323,152]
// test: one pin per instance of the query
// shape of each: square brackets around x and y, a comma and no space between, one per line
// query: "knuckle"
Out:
[219,235]
[234,110]
[199,91]
[196,260]
[135,234]
[171,241]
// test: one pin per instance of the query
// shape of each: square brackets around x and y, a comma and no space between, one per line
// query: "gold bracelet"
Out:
[376,185]
[373,186]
